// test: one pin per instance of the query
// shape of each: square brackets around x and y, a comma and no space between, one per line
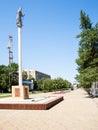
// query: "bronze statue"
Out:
[19,17]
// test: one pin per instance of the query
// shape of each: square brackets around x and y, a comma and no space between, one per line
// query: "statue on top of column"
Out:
[19,17]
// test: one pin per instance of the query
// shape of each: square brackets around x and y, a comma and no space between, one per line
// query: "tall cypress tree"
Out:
[88,51]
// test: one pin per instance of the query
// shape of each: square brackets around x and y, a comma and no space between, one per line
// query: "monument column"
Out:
[20,55]
[20,91]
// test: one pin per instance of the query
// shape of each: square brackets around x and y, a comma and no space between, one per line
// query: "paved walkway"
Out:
[76,112]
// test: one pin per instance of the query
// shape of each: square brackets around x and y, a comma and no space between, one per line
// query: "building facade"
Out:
[36,74]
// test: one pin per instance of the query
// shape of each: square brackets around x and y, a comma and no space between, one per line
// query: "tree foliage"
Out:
[53,84]
[8,76]
[88,52]
[3,78]
[24,75]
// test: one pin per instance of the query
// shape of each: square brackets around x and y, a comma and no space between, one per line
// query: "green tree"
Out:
[53,84]
[88,52]
[24,75]
[13,74]
[85,22]
[4,79]
[8,76]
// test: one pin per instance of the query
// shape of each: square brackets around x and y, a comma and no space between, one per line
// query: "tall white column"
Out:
[20,55]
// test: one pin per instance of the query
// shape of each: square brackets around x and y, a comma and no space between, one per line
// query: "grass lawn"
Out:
[3,95]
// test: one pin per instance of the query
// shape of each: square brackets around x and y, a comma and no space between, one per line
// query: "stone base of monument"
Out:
[20,92]
[40,103]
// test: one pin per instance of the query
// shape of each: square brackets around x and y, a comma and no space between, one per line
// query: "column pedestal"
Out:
[20,92]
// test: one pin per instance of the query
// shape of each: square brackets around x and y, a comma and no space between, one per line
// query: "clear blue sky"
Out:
[49,41]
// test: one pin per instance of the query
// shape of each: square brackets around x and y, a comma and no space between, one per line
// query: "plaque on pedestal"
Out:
[20,92]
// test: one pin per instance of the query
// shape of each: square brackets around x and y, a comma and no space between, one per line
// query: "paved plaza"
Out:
[76,112]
